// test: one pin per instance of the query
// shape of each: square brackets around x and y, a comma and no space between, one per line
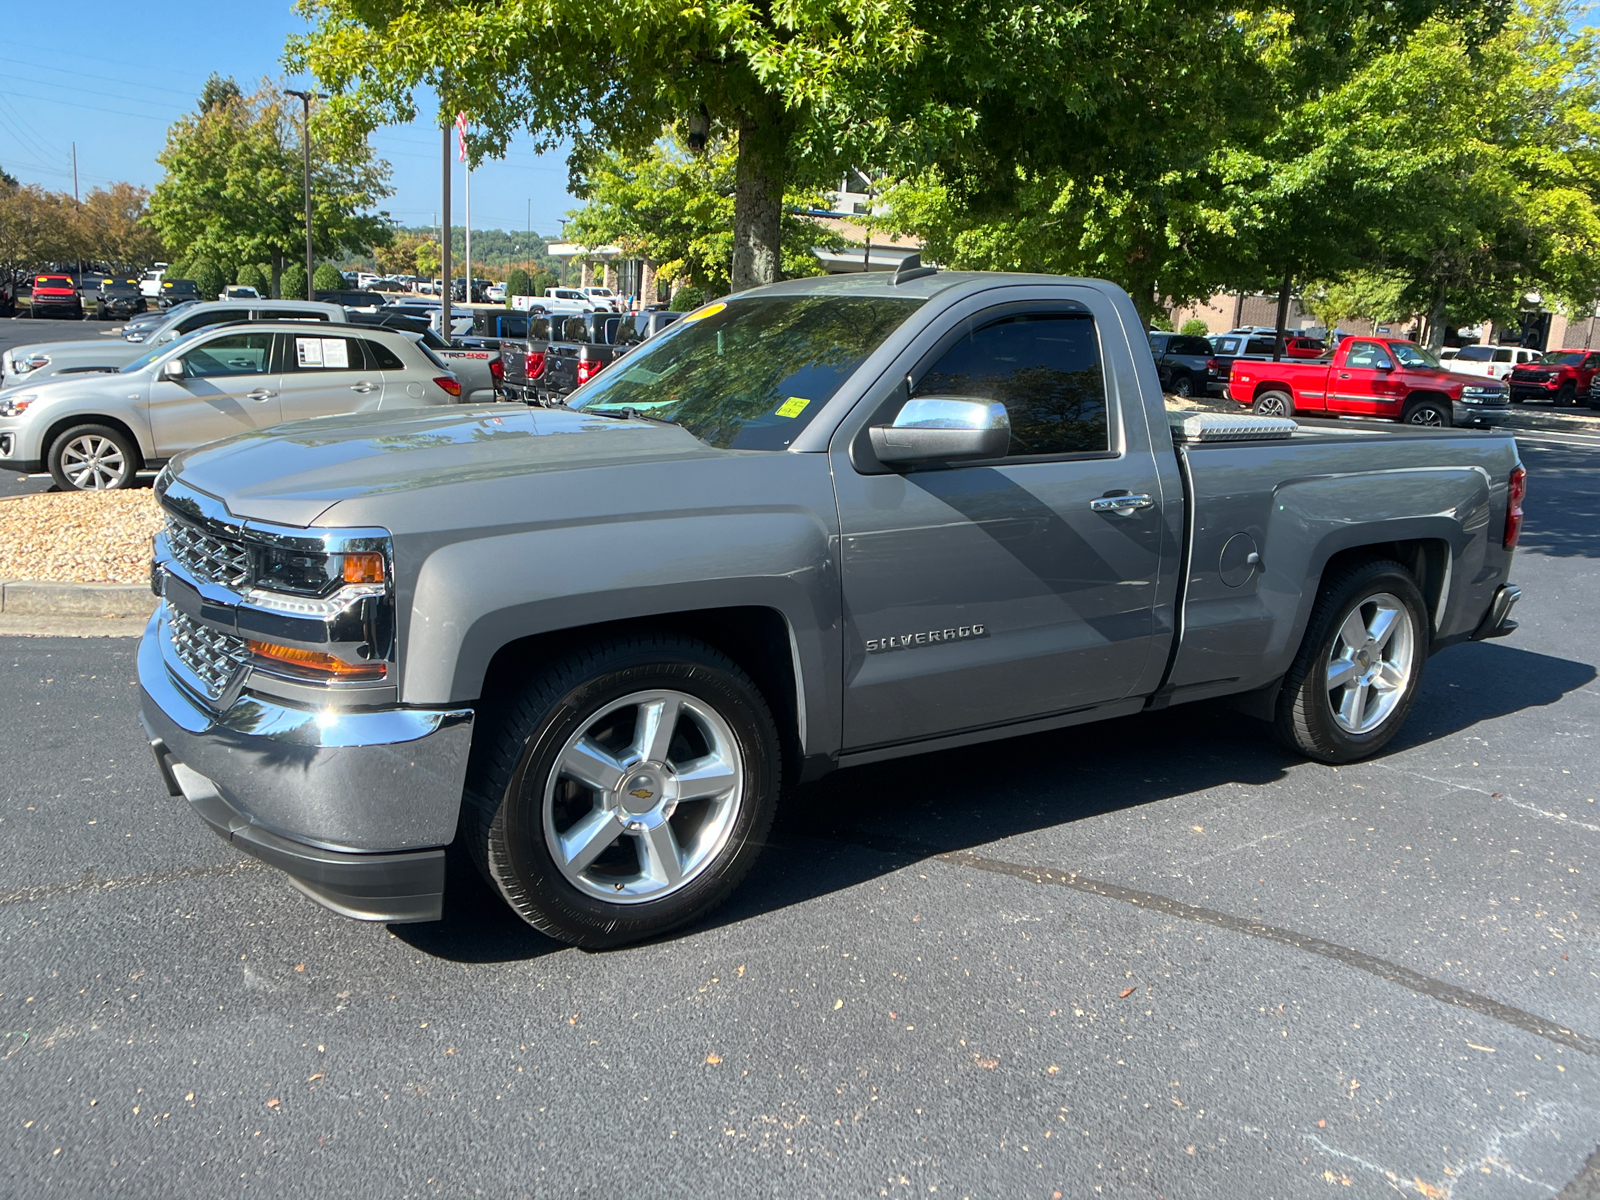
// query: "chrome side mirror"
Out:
[172,369]
[943,429]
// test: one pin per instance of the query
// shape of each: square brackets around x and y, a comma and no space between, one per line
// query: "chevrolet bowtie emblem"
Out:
[642,793]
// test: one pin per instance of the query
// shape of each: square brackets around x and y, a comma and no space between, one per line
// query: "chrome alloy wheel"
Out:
[643,797]
[93,463]
[1427,416]
[1271,405]
[1370,663]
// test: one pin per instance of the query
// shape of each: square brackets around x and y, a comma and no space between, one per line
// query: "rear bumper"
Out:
[354,805]
[1497,621]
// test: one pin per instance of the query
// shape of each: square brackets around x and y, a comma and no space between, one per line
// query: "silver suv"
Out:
[26,365]
[97,431]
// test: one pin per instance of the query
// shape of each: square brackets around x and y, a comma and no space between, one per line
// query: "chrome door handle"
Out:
[260,394]
[1344,374]
[363,387]
[1121,505]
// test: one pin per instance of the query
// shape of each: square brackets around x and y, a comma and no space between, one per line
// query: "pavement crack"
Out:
[89,882]
[1415,981]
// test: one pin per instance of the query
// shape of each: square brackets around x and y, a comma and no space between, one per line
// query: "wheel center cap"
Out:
[645,789]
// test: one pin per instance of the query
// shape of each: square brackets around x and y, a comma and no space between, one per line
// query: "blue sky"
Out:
[113,77]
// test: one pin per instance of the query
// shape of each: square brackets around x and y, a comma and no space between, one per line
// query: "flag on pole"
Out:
[461,133]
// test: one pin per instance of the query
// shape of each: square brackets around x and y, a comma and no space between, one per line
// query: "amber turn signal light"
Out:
[316,660]
[363,568]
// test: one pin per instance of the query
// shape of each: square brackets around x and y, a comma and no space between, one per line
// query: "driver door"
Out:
[228,387]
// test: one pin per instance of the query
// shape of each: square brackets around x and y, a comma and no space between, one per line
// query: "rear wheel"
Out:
[1273,404]
[626,790]
[1359,666]
[93,458]
[1182,386]
[1427,412]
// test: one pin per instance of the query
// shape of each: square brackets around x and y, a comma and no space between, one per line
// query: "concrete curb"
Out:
[32,598]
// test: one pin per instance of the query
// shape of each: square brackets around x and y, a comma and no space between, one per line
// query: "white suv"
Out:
[1491,362]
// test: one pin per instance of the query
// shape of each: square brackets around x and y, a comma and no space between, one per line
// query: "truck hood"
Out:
[103,352]
[292,474]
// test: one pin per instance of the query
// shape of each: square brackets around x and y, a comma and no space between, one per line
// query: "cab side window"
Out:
[1044,368]
[323,354]
[1369,355]
[236,354]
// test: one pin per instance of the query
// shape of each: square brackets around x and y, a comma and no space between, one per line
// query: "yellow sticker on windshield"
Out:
[793,406]
[700,314]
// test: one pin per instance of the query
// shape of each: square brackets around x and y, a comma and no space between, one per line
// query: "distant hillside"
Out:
[494,251]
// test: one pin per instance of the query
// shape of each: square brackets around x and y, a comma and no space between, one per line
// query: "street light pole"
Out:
[305,140]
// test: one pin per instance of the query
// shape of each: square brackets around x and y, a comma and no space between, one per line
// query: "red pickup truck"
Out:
[1560,376]
[1387,378]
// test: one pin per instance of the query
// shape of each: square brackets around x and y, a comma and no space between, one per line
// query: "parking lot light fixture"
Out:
[305,141]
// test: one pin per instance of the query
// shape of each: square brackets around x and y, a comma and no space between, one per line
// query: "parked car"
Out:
[56,296]
[150,283]
[139,327]
[1490,362]
[120,299]
[599,645]
[40,360]
[495,293]
[97,431]
[604,297]
[363,301]
[8,298]
[237,291]
[556,300]
[176,291]
[1559,376]
[1383,377]
[559,354]
[1186,366]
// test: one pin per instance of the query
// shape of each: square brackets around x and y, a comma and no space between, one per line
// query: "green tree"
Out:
[35,228]
[789,88]
[292,283]
[518,284]
[327,278]
[234,187]
[675,210]
[1195,327]
[208,278]
[258,277]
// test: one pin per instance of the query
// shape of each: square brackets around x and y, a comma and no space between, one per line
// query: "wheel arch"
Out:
[1268,385]
[61,424]
[759,639]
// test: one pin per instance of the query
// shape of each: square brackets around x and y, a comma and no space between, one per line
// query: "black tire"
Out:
[1568,394]
[108,471]
[1274,404]
[1433,414]
[1305,718]
[515,757]
[1182,386]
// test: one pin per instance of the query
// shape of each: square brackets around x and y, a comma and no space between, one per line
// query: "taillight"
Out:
[1515,491]
[533,364]
[588,369]
[449,384]
[1212,366]
[497,370]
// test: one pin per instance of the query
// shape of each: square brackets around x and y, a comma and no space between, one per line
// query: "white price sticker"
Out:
[330,353]
[308,351]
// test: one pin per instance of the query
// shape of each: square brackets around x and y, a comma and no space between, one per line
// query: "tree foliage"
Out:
[518,284]
[675,210]
[327,278]
[234,188]
[292,283]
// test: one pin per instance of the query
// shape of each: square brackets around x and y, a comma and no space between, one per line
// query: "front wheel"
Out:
[626,791]
[1359,666]
[93,458]
[1567,395]
[1273,404]
[1430,413]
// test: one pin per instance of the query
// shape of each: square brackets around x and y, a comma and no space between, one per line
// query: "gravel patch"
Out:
[79,537]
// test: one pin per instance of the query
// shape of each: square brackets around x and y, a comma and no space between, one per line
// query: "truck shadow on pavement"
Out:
[1564,529]
[866,822]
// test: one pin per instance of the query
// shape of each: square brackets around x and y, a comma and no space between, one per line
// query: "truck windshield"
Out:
[1411,355]
[750,374]
[1562,358]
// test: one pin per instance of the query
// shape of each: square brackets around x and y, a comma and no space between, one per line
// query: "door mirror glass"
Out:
[943,429]
[172,369]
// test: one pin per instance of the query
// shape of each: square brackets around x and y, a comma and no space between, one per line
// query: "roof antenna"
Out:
[911,268]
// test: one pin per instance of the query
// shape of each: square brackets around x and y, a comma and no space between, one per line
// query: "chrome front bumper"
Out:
[355,804]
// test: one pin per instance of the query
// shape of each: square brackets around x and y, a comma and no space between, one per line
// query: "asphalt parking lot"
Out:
[1154,958]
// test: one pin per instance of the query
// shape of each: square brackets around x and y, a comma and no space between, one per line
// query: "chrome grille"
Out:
[207,558]
[212,655]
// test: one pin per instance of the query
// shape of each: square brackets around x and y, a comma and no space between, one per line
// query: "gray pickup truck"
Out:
[823,523]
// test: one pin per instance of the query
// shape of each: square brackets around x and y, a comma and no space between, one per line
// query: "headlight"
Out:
[1479,394]
[31,363]
[15,406]
[301,573]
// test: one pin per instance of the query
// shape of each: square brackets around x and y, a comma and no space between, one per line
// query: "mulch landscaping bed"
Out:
[79,537]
